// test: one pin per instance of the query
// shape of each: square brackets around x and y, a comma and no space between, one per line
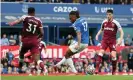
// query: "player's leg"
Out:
[68,53]
[100,55]
[71,51]
[22,51]
[36,57]
[99,59]
[114,61]
[27,55]
[67,58]
[113,56]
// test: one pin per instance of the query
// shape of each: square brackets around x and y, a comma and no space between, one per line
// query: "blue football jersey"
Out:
[81,25]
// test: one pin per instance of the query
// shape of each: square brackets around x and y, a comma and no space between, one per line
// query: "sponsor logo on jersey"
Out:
[107,28]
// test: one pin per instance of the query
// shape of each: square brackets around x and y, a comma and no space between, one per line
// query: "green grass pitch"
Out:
[67,77]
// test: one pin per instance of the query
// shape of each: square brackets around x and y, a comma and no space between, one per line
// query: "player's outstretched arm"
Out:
[45,47]
[41,31]
[79,37]
[99,32]
[15,22]
[121,36]
[21,19]
[121,33]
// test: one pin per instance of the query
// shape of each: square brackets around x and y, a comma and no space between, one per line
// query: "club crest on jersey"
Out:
[105,24]
[113,25]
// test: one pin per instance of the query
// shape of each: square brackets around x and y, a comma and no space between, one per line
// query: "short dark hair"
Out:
[110,11]
[75,13]
[31,10]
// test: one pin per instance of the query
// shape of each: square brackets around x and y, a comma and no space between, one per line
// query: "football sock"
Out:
[98,61]
[70,63]
[21,62]
[62,61]
[40,63]
[114,62]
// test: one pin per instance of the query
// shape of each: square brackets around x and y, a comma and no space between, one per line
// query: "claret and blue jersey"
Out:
[81,25]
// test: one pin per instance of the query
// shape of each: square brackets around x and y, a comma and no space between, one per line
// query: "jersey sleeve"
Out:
[102,25]
[22,18]
[44,44]
[40,24]
[118,25]
[76,27]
